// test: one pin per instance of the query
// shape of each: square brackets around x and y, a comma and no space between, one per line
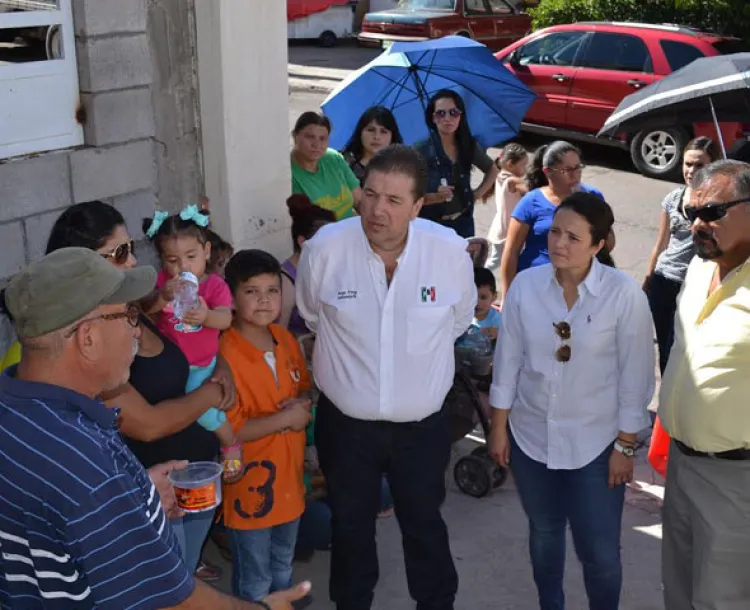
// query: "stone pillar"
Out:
[244,99]
[174,96]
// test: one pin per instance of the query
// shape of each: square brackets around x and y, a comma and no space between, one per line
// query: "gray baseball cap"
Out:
[66,285]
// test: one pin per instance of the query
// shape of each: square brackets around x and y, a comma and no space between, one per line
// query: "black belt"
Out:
[734,454]
[452,217]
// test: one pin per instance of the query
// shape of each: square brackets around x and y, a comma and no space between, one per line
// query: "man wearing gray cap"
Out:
[81,522]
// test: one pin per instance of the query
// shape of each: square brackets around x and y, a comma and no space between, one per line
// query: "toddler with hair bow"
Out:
[183,244]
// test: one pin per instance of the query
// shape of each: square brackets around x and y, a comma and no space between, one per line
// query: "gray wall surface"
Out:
[138,83]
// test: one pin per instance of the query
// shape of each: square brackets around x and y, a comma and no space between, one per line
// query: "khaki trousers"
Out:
[706,539]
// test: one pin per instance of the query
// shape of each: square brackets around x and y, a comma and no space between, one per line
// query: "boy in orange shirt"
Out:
[262,510]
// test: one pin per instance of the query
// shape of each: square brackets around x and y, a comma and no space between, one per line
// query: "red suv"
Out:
[582,71]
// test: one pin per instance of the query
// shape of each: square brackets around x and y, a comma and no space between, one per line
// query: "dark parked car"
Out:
[496,23]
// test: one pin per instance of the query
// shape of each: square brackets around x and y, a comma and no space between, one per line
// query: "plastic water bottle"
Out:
[186,295]
[444,182]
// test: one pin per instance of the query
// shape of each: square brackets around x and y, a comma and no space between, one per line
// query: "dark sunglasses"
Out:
[453,112]
[121,253]
[712,211]
[564,332]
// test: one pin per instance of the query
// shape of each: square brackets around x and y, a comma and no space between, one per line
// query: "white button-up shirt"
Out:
[385,352]
[564,414]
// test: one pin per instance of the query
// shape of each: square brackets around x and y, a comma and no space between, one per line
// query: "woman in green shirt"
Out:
[320,172]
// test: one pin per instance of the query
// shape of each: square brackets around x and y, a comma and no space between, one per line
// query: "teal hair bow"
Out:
[192,212]
[156,223]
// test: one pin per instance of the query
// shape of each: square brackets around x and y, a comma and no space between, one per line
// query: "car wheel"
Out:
[658,153]
[328,39]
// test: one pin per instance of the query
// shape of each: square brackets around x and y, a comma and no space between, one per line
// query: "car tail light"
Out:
[410,30]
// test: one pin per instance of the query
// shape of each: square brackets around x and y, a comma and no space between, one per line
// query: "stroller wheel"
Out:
[473,476]
[498,474]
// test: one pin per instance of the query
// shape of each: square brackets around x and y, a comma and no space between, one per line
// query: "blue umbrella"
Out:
[404,78]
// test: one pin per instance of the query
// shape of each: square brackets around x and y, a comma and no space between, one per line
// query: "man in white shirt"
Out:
[387,294]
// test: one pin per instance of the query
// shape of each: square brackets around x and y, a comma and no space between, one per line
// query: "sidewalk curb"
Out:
[302,85]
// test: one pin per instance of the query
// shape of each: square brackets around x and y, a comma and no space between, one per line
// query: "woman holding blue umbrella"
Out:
[450,152]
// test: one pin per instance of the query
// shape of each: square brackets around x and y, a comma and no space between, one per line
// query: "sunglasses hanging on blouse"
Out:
[564,332]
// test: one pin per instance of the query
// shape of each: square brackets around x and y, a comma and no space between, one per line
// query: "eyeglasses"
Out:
[121,253]
[132,315]
[569,170]
[454,113]
[564,332]
[713,211]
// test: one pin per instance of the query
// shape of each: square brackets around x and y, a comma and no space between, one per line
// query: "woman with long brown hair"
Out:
[674,248]
[450,153]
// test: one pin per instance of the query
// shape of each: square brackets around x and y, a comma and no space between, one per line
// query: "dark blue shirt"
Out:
[81,523]
[536,211]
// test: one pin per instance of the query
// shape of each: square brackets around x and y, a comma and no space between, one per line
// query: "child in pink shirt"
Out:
[182,242]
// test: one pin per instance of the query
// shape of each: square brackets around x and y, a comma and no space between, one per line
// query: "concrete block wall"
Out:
[138,88]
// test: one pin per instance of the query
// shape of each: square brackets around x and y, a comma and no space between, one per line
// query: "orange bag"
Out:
[658,451]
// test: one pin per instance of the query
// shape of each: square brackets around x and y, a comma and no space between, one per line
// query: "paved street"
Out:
[489,535]
[635,199]
[489,542]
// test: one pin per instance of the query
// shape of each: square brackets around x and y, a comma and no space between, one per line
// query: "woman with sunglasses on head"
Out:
[377,129]
[573,377]
[157,419]
[94,225]
[674,248]
[554,174]
[450,152]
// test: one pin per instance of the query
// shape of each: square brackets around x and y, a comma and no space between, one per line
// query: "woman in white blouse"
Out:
[573,377]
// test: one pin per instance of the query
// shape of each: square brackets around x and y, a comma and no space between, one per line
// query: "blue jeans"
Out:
[191,531]
[463,225]
[315,524]
[554,498]
[662,299]
[262,560]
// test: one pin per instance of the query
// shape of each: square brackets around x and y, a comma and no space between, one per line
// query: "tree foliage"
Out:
[731,17]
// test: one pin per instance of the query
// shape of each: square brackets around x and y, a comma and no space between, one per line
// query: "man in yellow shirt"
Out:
[704,404]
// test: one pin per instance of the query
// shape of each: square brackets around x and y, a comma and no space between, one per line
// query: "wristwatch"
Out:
[627,451]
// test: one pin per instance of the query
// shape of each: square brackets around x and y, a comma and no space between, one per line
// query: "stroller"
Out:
[475,474]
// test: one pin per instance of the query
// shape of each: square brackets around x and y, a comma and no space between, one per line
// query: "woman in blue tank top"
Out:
[554,175]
